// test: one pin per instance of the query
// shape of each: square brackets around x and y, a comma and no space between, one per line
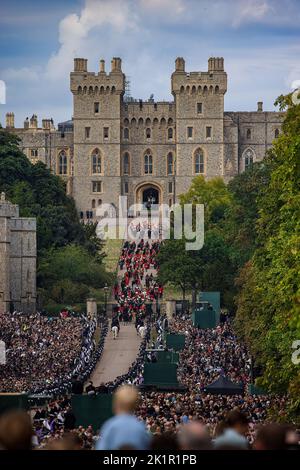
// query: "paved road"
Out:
[118,355]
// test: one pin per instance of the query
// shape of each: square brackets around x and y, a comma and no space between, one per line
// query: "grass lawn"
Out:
[175,293]
[112,250]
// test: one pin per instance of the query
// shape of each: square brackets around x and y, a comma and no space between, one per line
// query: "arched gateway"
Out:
[149,194]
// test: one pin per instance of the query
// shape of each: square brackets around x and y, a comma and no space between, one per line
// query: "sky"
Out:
[259,40]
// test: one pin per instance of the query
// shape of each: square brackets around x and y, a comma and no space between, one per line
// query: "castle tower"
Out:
[10,120]
[97,101]
[199,100]
[17,259]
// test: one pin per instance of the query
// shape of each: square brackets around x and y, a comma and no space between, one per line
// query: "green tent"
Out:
[175,341]
[160,374]
[13,401]
[204,318]
[254,390]
[92,409]
[167,357]
[214,299]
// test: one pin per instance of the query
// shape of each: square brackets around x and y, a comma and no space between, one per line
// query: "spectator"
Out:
[16,431]
[124,429]
[235,431]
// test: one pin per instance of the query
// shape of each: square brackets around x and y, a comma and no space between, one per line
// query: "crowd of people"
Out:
[137,285]
[188,419]
[133,427]
[44,353]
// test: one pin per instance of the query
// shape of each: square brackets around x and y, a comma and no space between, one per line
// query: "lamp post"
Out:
[105,288]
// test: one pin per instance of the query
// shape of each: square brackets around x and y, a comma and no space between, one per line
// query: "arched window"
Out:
[248,133]
[170,133]
[170,164]
[62,163]
[199,162]
[99,202]
[96,162]
[148,133]
[126,164]
[93,204]
[276,133]
[148,163]
[126,133]
[248,158]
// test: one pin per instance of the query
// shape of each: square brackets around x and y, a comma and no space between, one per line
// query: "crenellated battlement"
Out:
[214,81]
[97,83]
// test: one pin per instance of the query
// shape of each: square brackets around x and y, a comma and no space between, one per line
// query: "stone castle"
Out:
[146,150]
[17,259]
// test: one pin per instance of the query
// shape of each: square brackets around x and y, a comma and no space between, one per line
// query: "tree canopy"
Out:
[69,253]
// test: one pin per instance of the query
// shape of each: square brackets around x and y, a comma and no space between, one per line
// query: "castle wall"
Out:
[23,264]
[17,259]
[224,151]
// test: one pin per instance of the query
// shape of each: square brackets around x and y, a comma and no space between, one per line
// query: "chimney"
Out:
[259,106]
[216,64]
[80,65]
[102,66]
[10,120]
[33,122]
[47,124]
[116,64]
[179,64]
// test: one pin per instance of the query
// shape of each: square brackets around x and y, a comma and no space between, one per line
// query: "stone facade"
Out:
[117,146]
[17,259]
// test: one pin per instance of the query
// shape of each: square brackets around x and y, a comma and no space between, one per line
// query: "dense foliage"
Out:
[41,194]
[251,254]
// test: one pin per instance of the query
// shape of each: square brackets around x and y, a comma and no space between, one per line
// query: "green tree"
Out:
[269,300]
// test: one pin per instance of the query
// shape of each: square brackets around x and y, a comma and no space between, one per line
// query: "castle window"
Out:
[87,132]
[276,133]
[126,187]
[199,162]
[126,164]
[96,163]
[199,108]
[62,163]
[93,204]
[34,153]
[105,132]
[170,164]
[126,133]
[248,158]
[96,107]
[170,187]
[208,132]
[62,135]
[248,134]
[99,202]
[170,133]
[148,133]
[148,163]
[190,131]
[97,186]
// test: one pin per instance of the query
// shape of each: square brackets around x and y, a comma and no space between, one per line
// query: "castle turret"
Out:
[47,124]
[216,64]
[199,98]
[179,64]
[102,66]
[260,106]
[10,120]
[97,98]
[33,123]
[116,65]
[80,65]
